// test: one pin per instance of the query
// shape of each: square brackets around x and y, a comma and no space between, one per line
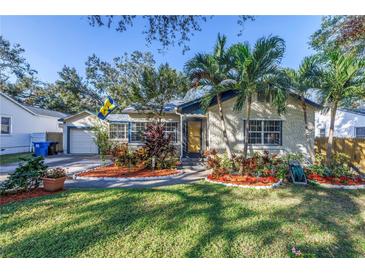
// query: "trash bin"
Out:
[41,148]
[52,148]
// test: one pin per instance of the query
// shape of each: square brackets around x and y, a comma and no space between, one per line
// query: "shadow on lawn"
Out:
[228,214]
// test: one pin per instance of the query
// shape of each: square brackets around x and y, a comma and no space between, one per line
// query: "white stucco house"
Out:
[349,123]
[195,131]
[21,124]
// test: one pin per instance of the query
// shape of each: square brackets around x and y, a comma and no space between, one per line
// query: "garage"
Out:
[82,141]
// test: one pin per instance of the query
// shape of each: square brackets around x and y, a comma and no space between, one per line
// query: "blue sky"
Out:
[54,41]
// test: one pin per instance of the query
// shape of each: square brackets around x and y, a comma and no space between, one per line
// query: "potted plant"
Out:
[54,179]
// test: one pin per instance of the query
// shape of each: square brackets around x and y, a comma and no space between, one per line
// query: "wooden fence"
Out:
[352,147]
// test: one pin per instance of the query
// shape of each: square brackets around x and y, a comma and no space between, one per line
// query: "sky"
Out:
[50,42]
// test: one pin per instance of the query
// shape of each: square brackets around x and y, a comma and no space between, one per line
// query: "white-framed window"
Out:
[5,125]
[139,128]
[263,97]
[322,132]
[118,131]
[265,132]
[137,131]
[360,132]
[171,128]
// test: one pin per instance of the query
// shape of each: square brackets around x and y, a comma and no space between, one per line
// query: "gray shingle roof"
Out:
[169,107]
[117,117]
[45,112]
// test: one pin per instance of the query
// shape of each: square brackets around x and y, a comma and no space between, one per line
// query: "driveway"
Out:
[72,164]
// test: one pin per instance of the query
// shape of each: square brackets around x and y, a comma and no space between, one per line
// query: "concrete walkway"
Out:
[189,176]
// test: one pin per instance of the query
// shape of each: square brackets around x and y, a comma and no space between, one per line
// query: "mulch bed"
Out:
[244,180]
[125,172]
[9,198]
[341,181]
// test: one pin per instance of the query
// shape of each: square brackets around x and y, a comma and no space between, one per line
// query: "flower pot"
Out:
[50,184]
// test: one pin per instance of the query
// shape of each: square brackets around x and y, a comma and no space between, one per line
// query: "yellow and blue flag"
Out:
[107,108]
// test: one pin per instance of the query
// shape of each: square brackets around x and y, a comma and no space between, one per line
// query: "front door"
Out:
[194,137]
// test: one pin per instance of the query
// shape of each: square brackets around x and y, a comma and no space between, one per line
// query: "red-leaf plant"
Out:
[158,144]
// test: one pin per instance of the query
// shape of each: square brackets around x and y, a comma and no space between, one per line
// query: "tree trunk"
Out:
[223,123]
[248,109]
[307,133]
[330,134]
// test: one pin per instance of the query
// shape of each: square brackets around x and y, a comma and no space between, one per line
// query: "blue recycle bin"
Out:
[41,148]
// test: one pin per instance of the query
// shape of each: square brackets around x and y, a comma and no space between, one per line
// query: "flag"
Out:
[107,108]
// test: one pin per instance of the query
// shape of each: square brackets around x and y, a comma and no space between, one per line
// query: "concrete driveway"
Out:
[72,164]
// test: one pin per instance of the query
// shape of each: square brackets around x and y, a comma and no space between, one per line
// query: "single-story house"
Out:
[349,123]
[21,124]
[195,131]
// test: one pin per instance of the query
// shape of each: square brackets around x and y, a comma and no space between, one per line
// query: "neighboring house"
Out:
[348,123]
[195,131]
[20,123]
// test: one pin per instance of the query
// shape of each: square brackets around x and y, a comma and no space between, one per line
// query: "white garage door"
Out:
[82,141]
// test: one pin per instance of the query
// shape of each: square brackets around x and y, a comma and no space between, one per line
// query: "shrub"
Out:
[337,168]
[55,173]
[101,133]
[214,162]
[158,147]
[27,176]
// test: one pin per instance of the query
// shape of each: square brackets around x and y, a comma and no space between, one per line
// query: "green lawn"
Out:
[199,220]
[13,158]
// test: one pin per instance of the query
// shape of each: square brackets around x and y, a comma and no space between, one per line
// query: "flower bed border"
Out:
[274,185]
[123,179]
[349,187]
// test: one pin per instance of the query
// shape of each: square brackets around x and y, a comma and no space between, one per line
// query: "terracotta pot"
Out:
[50,184]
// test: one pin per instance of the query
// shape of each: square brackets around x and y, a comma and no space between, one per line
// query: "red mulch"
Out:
[343,180]
[125,172]
[9,198]
[244,180]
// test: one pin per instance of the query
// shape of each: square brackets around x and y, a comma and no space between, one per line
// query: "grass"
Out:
[13,158]
[198,220]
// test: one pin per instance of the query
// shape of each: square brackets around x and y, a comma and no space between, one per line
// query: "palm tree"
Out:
[212,72]
[257,70]
[301,82]
[342,83]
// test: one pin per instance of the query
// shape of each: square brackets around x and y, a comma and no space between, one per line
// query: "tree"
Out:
[167,29]
[212,71]
[17,78]
[342,83]
[69,94]
[256,70]
[158,87]
[302,81]
[346,33]
[117,78]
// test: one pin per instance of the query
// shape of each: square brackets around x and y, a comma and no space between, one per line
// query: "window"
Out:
[137,131]
[5,125]
[263,97]
[118,131]
[322,132]
[171,128]
[360,132]
[261,132]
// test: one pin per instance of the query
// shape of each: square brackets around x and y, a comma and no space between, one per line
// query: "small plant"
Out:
[27,176]
[55,173]
[101,133]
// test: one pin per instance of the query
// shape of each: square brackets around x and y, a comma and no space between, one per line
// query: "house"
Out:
[21,124]
[195,131]
[349,123]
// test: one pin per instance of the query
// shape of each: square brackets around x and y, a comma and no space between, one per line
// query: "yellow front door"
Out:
[194,131]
